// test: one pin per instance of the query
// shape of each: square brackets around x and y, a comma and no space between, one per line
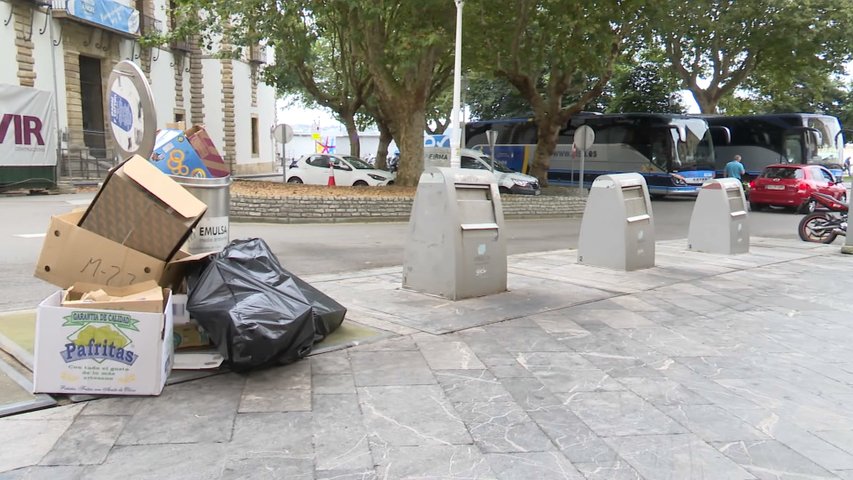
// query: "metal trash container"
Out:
[719,220]
[456,245]
[617,229]
[211,233]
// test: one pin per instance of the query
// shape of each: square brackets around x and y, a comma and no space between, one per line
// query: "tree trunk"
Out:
[707,103]
[409,122]
[352,133]
[385,139]
[545,146]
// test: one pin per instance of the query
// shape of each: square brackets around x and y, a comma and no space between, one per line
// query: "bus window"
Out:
[793,151]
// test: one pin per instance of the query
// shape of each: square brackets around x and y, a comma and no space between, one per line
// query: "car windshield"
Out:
[358,163]
[788,173]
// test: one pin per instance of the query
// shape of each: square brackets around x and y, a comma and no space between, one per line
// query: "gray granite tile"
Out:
[432,461]
[618,470]
[526,340]
[662,391]
[449,356]
[275,400]
[538,465]
[45,473]
[156,462]
[676,457]
[333,383]
[510,371]
[615,318]
[572,436]
[844,474]
[390,368]
[330,363]
[554,359]
[272,434]
[559,379]
[620,413]
[197,411]
[296,375]
[769,459]
[271,467]
[471,386]
[502,427]
[112,406]
[395,344]
[530,394]
[86,442]
[366,474]
[842,439]
[340,439]
[411,415]
[25,442]
[711,423]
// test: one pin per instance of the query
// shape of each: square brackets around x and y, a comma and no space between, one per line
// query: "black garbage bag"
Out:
[255,312]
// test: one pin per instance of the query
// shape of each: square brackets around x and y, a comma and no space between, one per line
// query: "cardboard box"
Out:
[139,297]
[102,351]
[174,155]
[71,254]
[143,209]
[204,147]
[190,335]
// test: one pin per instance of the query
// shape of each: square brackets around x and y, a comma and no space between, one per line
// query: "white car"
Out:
[508,180]
[314,169]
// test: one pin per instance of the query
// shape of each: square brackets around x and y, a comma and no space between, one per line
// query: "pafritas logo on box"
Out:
[101,337]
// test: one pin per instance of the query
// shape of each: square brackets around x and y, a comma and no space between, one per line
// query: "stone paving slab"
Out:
[703,367]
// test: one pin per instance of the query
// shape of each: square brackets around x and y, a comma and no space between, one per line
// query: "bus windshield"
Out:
[823,143]
[696,151]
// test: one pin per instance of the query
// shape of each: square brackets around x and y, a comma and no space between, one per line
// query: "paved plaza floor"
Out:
[703,367]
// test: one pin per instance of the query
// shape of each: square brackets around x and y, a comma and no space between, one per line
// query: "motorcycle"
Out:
[824,227]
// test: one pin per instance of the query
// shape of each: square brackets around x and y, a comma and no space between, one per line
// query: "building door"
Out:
[92,99]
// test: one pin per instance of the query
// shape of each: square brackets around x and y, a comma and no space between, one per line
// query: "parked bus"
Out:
[761,140]
[674,153]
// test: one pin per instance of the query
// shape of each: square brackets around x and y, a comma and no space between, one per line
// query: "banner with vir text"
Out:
[27,127]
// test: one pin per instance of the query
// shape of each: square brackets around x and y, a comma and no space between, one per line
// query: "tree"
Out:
[550,51]
[490,98]
[723,43]
[405,47]
[644,87]
[312,44]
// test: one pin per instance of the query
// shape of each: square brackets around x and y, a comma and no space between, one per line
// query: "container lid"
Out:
[133,121]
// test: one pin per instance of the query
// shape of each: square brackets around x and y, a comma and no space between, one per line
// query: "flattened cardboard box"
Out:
[144,209]
[100,351]
[174,155]
[71,254]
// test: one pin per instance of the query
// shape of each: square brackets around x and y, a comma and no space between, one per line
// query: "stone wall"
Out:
[366,209]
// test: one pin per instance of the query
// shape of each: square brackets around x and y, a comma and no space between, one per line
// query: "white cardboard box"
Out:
[76,350]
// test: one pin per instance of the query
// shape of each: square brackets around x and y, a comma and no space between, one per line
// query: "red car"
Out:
[786,185]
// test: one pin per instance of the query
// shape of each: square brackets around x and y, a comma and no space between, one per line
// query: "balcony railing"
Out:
[148,25]
[181,45]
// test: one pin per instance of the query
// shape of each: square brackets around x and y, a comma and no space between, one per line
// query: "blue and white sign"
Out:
[106,13]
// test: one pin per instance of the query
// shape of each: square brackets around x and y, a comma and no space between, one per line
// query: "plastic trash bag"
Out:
[255,311]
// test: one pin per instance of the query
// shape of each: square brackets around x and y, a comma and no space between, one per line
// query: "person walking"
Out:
[734,169]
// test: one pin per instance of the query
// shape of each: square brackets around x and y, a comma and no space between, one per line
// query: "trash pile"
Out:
[133,299]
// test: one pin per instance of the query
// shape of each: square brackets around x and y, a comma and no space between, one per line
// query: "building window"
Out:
[255,138]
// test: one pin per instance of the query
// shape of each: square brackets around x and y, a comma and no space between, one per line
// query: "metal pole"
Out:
[580,175]
[456,141]
[55,93]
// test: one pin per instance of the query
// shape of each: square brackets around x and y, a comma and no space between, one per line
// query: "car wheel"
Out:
[755,207]
[360,183]
[294,180]
[808,206]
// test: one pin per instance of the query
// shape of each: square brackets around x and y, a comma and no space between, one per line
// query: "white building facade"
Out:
[69,47]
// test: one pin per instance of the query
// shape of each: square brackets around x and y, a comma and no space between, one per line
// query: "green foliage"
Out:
[644,87]
[489,98]
[716,46]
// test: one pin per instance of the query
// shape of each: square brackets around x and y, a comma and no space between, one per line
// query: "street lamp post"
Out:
[456,114]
